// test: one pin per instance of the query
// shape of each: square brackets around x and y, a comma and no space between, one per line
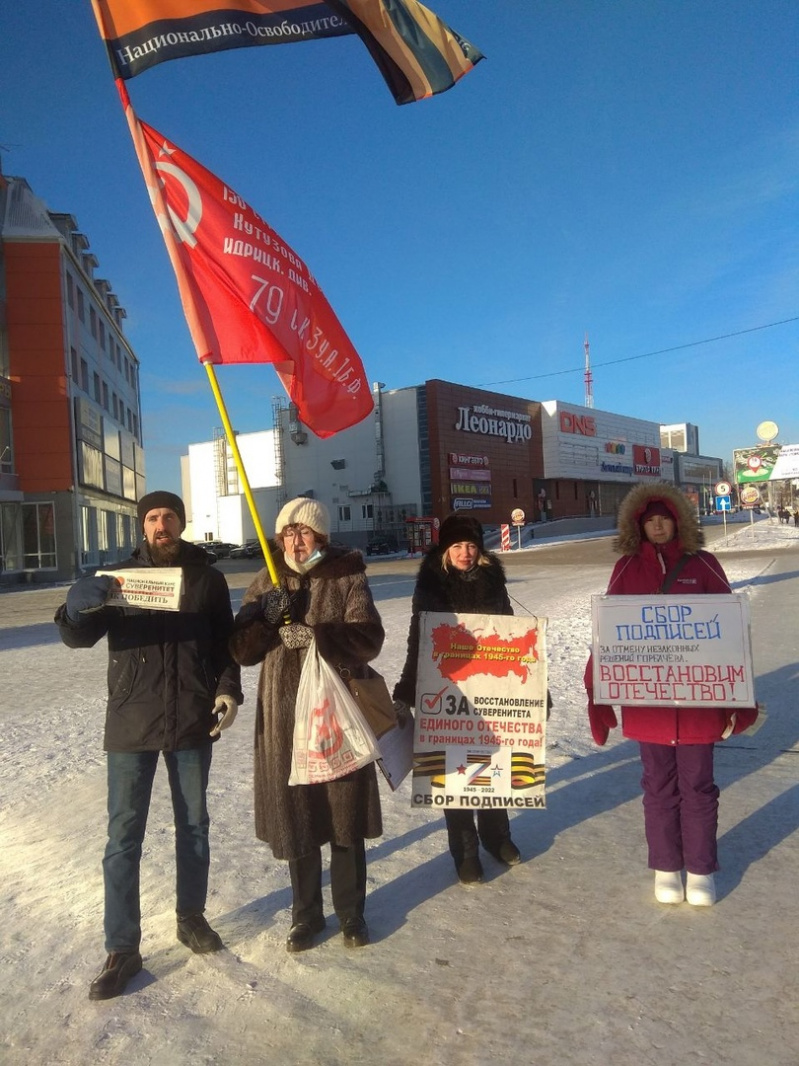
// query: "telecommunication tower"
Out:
[588,377]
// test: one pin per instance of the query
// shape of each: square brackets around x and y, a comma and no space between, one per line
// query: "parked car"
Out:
[221,547]
[251,549]
[206,547]
[383,545]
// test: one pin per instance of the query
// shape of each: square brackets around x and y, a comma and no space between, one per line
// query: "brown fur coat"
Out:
[338,606]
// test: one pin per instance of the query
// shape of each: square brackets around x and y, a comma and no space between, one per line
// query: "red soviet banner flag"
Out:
[417,53]
[247,297]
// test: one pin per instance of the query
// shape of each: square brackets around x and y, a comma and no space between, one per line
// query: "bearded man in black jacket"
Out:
[170,678]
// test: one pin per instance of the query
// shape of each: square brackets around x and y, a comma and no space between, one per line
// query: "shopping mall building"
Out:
[440,447]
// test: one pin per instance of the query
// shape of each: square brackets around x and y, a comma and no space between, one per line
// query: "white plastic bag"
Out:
[331,737]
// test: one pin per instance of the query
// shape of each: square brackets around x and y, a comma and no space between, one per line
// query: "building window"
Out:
[115,405]
[6,446]
[97,393]
[93,322]
[344,514]
[102,531]
[81,306]
[84,376]
[10,547]
[105,395]
[130,421]
[88,527]
[101,327]
[70,291]
[38,535]
[73,356]
[136,426]
[367,510]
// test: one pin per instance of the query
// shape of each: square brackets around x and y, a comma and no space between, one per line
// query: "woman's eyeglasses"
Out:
[305,532]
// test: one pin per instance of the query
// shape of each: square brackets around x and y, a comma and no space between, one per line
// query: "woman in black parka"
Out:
[458,575]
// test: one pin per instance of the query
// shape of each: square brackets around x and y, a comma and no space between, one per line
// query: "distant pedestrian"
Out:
[659,540]
[796,517]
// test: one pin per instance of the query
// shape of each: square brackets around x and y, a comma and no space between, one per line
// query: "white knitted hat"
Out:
[304,512]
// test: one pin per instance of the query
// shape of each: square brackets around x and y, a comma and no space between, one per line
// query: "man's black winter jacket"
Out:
[165,668]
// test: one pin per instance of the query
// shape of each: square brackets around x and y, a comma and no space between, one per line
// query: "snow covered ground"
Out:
[564,958]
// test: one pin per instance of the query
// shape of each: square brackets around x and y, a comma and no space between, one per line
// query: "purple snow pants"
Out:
[681,803]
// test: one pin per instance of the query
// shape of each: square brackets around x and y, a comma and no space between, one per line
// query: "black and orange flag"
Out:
[417,53]
[247,296]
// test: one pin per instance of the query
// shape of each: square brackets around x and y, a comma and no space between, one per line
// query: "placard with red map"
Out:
[481,696]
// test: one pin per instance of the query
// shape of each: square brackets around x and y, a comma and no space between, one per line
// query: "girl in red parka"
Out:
[659,540]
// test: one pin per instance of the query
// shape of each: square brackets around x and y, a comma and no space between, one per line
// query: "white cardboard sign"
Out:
[481,701]
[658,651]
[156,588]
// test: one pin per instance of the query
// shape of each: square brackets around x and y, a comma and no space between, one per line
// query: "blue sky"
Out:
[627,169]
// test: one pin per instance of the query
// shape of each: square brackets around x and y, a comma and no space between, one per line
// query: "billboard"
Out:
[766,462]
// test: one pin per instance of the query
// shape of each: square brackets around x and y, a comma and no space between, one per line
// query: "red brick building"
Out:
[71,456]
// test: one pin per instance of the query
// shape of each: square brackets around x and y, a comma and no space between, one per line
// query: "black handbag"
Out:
[373,698]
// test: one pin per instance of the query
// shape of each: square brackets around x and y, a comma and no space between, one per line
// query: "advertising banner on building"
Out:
[470,503]
[481,697]
[766,462]
[646,461]
[660,651]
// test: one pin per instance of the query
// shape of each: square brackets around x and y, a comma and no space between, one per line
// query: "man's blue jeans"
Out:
[130,785]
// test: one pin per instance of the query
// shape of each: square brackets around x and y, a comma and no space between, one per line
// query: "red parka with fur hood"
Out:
[640,572]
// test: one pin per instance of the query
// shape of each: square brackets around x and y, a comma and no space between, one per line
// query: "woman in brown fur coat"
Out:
[324,591]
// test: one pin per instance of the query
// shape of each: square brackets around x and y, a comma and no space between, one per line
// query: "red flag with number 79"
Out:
[247,297]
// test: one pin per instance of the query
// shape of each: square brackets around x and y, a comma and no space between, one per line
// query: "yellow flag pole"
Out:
[234,448]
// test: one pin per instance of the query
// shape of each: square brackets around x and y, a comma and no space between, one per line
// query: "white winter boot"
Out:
[700,889]
[668,886]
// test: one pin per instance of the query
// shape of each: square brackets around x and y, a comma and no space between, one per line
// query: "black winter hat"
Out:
[161,499]
[457,528]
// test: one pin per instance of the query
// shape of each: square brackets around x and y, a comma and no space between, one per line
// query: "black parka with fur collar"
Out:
[481,590]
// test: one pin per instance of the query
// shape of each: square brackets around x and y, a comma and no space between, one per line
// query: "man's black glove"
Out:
[88,594]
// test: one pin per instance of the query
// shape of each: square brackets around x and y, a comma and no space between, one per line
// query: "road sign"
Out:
[722,488]
[517,516]
[723,503]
